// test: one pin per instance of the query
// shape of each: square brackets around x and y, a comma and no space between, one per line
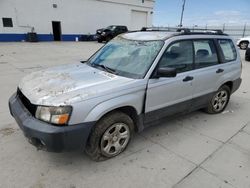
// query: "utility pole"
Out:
[182,12]
[223,28]
[244,30]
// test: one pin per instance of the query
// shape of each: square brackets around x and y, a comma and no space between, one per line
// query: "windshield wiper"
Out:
[110,70]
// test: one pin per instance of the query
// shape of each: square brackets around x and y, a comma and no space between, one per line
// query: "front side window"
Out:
[205,53]
[127,57]
[228,50]
[178,55]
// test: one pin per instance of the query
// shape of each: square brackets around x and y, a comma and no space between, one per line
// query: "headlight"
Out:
[56,115]
[103,33]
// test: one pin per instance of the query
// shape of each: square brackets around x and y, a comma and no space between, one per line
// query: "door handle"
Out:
[219,71]
[188,78]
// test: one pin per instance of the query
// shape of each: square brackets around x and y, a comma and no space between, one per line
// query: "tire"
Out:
[219,101]
[99,41]
[110,136]
[243,45]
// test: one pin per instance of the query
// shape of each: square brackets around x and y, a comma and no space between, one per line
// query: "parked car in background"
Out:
[247,55]
[243,42]
[131,83]
[106,34]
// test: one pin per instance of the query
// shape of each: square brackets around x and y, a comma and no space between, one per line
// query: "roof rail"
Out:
[173,29]
[185,30]
[215,31]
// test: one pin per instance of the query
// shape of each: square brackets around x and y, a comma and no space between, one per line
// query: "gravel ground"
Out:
[196,150]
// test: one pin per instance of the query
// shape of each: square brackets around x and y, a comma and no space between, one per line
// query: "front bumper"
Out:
[46,136]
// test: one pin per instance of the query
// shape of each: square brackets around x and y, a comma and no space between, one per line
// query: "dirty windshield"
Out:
[126,58]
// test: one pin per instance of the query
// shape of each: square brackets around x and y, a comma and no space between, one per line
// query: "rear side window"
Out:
[124,28]
[228,50]
[205,53]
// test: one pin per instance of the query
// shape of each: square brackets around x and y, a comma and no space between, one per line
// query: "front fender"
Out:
[134,100]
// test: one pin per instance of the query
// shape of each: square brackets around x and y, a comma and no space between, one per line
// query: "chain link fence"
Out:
[234,31]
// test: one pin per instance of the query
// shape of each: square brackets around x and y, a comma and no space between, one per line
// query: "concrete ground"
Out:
[196,150]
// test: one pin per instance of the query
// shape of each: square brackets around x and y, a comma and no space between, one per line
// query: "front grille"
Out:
[30,107]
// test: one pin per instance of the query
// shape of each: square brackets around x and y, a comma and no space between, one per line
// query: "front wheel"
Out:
[110,136]
[219,101]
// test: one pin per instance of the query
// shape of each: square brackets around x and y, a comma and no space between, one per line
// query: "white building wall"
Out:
[76,16]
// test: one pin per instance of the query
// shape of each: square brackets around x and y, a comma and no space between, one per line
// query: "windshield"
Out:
[111,27]
[126,57]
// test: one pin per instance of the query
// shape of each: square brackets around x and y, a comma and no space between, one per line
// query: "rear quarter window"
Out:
[228,50]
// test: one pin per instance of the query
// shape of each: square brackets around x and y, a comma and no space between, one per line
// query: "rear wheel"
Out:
[244,45]
[219,101]
[110,136]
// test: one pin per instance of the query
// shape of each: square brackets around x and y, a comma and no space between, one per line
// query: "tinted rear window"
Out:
[228,50]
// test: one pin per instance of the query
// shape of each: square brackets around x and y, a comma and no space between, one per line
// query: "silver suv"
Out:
[130,83]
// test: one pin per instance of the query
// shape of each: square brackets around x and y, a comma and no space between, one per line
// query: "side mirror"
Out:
[166,72]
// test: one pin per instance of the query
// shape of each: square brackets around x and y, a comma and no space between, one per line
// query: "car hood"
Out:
[99,31]
[69,83]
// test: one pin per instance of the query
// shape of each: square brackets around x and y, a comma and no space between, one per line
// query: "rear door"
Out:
[208,71]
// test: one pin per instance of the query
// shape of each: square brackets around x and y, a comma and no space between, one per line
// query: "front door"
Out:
[168,96]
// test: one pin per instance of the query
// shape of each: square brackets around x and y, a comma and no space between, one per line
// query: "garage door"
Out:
[138,19]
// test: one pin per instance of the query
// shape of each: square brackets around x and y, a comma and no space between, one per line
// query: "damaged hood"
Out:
[68,84]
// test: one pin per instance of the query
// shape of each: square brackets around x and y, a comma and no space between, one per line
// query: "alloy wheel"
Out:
[220,100]
[115,139]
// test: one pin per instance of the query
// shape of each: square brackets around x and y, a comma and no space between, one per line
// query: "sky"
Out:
[202,12]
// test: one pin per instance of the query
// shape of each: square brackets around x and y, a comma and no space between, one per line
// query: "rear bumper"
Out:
[46,136]
[236,85]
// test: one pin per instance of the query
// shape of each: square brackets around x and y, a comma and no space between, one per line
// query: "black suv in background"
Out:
[106,34]
[247,55]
